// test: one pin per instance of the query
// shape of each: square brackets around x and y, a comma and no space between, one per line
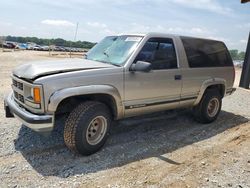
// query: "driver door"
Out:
[159,89]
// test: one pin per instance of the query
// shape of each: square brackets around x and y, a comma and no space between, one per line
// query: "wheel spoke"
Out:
[96,130]
[213,107]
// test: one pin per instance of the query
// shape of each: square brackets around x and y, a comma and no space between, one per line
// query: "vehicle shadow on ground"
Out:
[130,140]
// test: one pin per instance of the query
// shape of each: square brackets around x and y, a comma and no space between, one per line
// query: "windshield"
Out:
[114,49]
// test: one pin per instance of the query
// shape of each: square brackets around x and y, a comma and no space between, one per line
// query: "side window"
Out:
[206,53]
[160,53]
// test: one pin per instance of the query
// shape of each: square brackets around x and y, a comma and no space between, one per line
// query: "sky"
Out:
[226,20]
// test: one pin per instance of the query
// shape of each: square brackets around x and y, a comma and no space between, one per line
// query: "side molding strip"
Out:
[158,103]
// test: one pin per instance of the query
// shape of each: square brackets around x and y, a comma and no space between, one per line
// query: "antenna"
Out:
[76,31]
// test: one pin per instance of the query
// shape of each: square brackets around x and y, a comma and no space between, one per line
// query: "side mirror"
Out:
[141,66]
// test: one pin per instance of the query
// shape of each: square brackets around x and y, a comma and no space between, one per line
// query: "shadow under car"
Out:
[130,140]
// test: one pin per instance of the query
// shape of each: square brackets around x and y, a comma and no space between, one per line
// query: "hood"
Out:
[33,70]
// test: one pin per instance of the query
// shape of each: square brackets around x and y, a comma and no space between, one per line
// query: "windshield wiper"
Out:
[105,53]
[115,64]
[106,62]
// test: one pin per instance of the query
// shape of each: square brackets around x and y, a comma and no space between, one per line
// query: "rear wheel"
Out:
[87,127]
[209,107]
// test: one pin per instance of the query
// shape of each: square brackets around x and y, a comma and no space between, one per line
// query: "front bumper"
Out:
[38,123]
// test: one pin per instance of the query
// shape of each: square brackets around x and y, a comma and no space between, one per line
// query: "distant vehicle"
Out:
[73,49]
[121,76]
[10,45]
[76,50]
[45,48]
[67,49]
[59,48]
[37,47]
[5,45]
[22,46]
[31,45]
[62,49]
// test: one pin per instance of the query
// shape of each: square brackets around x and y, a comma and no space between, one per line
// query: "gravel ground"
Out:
[167,149]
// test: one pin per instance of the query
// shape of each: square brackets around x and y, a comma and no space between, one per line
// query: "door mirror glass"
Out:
[141,66]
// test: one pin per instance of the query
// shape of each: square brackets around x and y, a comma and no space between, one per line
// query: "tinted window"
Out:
[206,53]
[160,53]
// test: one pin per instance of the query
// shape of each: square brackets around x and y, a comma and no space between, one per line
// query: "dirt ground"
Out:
[167,149]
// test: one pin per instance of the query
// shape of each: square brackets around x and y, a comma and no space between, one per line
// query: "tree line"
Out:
[237,55]
[47,42]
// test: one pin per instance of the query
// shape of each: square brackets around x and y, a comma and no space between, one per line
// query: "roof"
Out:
[159,34]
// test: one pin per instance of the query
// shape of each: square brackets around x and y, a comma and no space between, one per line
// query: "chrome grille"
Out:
[22,95]
[17,84]
[18,89]
[19,97]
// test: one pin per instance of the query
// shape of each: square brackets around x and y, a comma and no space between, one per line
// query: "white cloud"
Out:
[3,23]
[138,28]
[108,32]
[220,39]
[64,23]
[209,5]
[245,25]
[199,31]
[243,41]
[191,31]
[99,29]
[97,24]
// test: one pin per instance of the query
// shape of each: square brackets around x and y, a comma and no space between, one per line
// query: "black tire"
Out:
[201,111]
[78,125]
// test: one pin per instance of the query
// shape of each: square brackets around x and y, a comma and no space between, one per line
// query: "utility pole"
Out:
[49,48]
[74,38]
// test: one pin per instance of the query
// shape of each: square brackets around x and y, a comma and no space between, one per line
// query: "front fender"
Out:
[62,94]
[206,84]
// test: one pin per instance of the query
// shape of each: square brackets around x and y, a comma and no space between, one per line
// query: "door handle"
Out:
[177,77]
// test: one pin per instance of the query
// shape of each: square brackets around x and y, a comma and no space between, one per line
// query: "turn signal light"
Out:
[37,96]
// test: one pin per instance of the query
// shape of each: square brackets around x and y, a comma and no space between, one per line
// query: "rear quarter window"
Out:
[206,53]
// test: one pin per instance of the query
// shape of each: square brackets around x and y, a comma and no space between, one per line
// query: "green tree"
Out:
[57,42]
[241,56]
[234,54]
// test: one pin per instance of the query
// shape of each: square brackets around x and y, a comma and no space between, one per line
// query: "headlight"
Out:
[34,99]
[31,104]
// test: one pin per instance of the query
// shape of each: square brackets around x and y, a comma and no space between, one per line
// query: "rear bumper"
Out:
[39,123]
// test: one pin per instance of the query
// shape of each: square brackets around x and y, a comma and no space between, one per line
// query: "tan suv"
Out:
[122,76]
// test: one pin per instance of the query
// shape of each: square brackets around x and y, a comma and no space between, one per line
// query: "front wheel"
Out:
[87,127]
[209,108]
